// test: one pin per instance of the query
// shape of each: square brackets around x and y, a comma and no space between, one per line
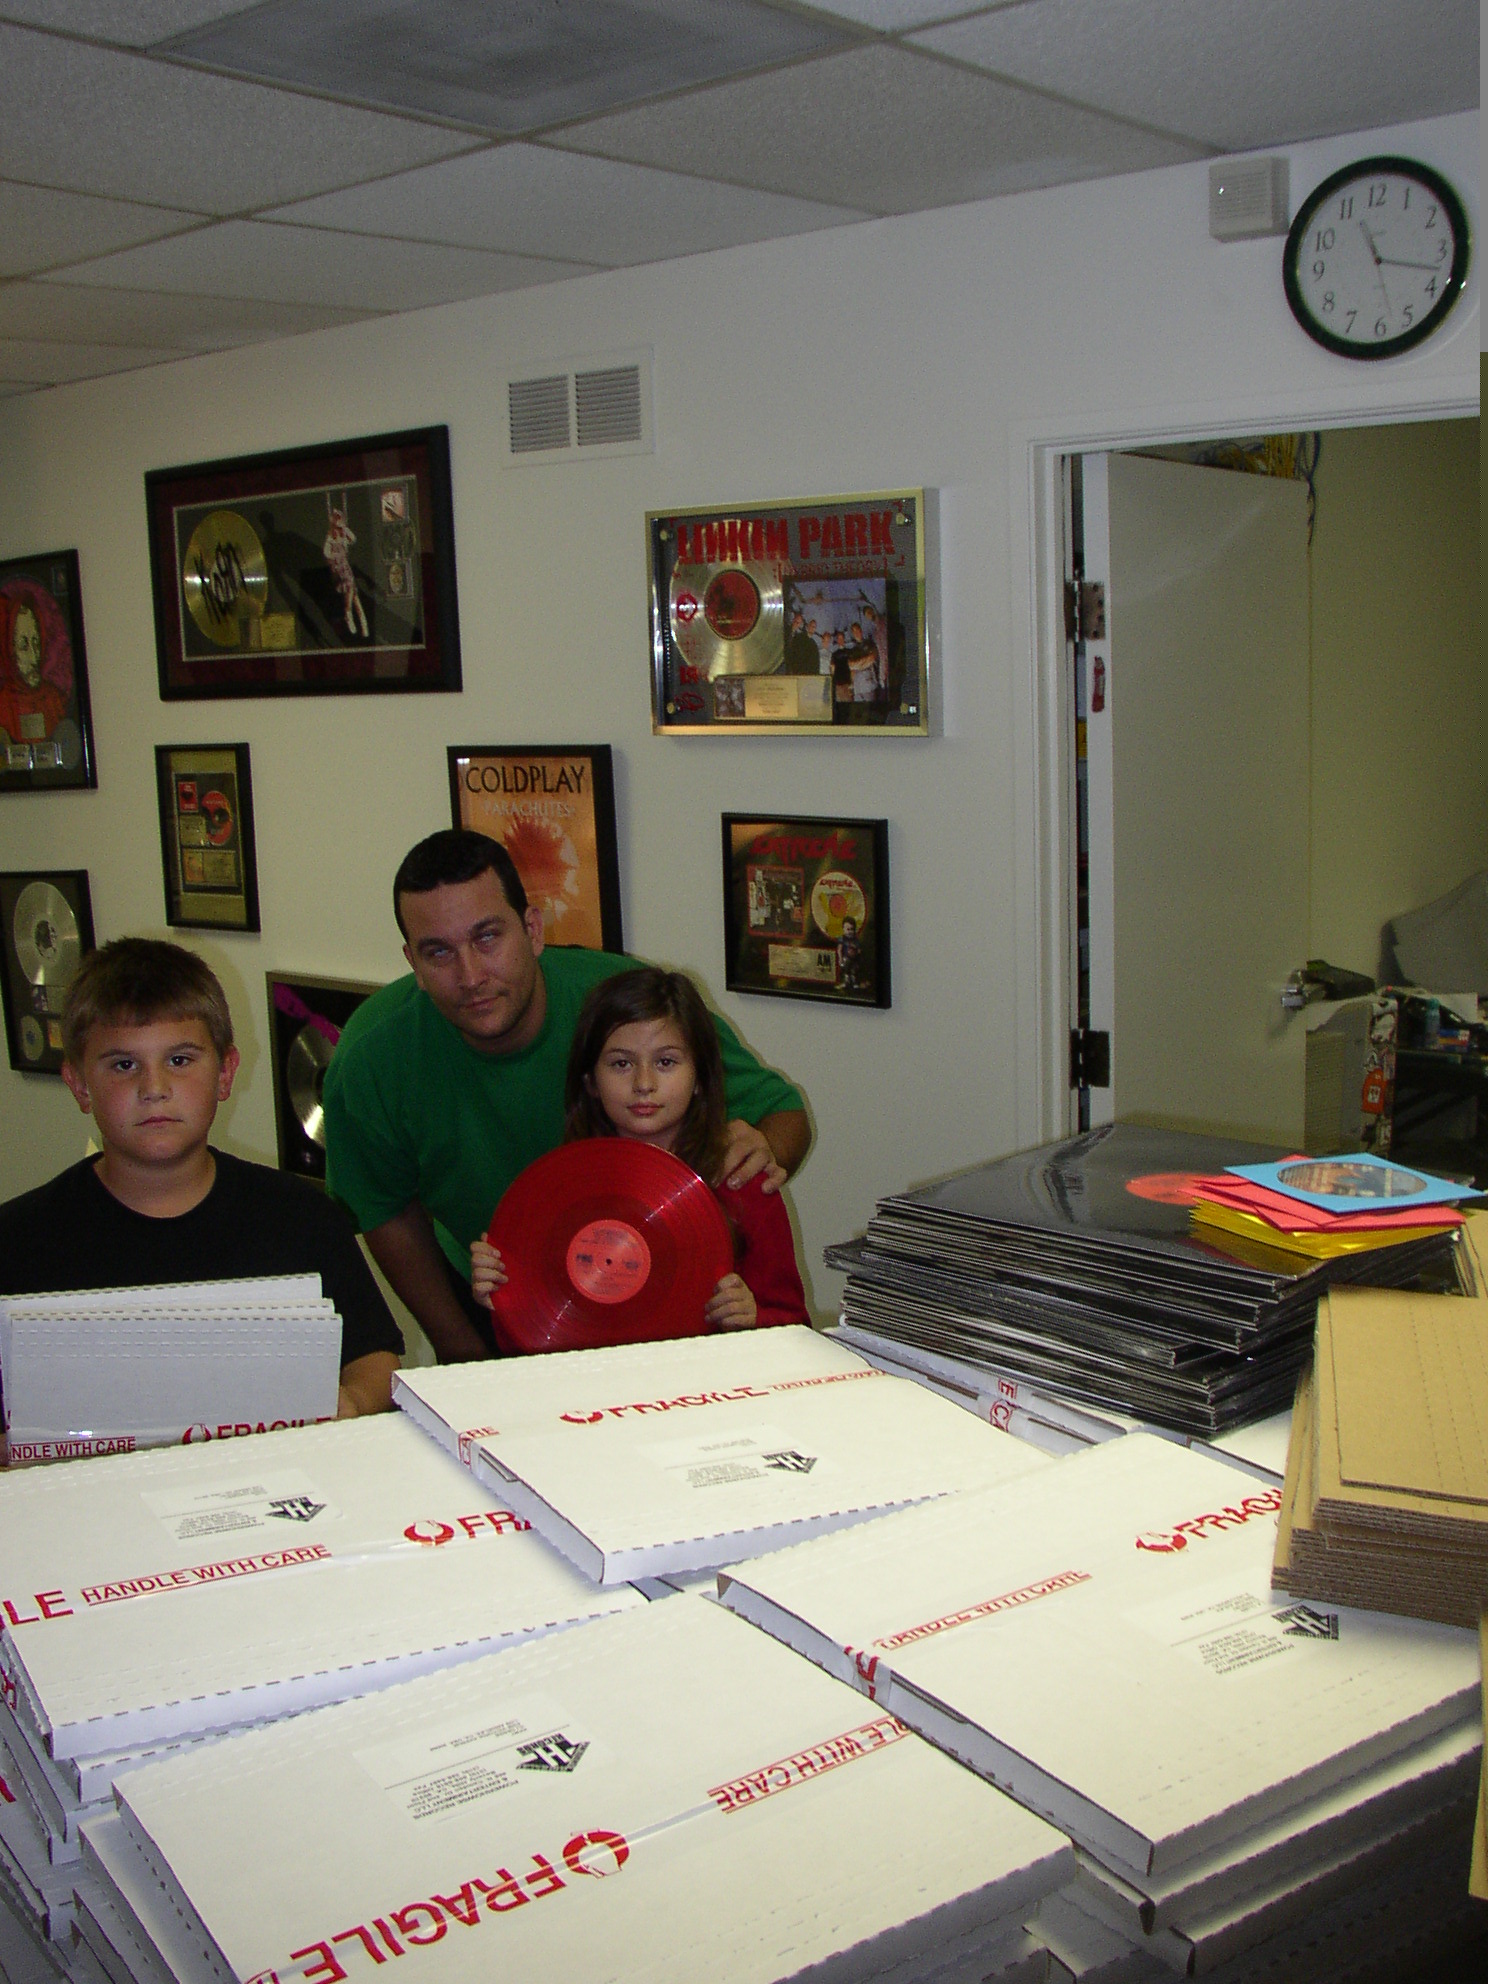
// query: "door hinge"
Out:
[1084,610]
[1090,1058]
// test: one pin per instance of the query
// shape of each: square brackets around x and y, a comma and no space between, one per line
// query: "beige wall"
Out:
[1399,684]
[935,349]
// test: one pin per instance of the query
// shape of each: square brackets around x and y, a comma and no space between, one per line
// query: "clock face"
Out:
[1376,257]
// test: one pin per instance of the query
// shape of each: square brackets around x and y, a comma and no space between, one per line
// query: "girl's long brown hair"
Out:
[650,994]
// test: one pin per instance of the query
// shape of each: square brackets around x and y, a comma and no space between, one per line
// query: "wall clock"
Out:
[1376,257]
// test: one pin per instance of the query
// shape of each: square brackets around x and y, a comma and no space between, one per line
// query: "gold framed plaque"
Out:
[809,617]
[206,836]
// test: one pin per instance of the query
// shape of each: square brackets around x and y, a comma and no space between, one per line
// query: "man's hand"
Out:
[487,1271]
[405,1249]
[774,1149]
[367,1385]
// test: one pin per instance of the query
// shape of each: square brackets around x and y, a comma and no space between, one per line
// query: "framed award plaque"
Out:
[46,930]
[206,836]
[46,731]
[795,617]
[318,571]
[552,807]
[306,1016]
[806,908]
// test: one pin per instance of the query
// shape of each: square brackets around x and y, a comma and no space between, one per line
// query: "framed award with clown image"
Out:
[46,731]
[206,836]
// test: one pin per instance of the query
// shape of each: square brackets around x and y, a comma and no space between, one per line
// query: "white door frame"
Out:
[1044,774]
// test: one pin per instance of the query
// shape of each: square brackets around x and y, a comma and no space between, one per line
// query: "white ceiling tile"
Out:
[43,229]
[894,16]
[45,364]
[67,312]
[131,23]
[524,198]
[878,129]
[1235,74]
[313,265]
[505,65]
[96,120]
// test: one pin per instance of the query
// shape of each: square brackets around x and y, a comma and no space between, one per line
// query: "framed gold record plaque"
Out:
[809,618]
[316,571]
[806,908]
[46,930]
[306,1016]
[206,836]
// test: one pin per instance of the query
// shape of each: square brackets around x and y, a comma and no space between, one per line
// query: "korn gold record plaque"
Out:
[806,617]
[306,1016]
[46,930]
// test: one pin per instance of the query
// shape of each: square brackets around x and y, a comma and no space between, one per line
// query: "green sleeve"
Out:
[753,1090]
[369,1168]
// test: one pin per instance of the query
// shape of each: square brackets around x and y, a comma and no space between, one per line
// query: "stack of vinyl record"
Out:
[1074,1268]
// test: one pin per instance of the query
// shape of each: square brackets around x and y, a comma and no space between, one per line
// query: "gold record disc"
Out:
[47,944]
[225,576]
[304,1073]
[728,619]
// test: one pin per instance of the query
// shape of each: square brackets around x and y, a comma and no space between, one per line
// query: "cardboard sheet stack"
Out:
[664,1796]
[104,1371]
[653,1459]
[1386,1501]
[1101,1641]
[1073,1269]
[158,1601]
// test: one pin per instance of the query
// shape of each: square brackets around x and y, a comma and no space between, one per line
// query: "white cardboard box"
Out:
[99,1371]
[667,1795]
[1102,1639]
[681,1456]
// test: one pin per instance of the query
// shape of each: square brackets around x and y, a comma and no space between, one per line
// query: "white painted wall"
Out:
[938,349]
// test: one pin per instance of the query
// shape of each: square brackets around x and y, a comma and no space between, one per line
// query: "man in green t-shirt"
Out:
[448,1083]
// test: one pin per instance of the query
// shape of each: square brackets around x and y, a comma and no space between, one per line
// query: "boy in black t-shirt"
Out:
[148,1040]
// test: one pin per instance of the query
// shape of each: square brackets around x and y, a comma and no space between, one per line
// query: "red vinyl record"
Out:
[606,1241]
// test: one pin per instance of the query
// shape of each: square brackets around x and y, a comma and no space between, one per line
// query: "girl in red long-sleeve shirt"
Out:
[645,1064]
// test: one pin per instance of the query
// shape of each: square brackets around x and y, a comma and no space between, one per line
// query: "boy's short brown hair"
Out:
[142,979]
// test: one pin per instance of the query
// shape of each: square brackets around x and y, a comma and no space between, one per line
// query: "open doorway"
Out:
[1265,810]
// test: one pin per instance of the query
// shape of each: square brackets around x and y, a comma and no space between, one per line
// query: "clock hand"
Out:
[1386,262]
[1370,239]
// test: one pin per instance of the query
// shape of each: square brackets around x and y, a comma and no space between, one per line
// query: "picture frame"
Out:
[207,850]
[306,1015]
[810,618]
[806,908]
[46,724]
[318,571]
[552,806]
[46,930]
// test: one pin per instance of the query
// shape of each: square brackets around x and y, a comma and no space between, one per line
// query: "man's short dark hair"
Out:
[455,854]
[136,980]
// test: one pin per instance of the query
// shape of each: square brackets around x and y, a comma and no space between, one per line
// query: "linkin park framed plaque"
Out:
[206,836]
[552,807]
[806,908]
[314,572]
[796,617]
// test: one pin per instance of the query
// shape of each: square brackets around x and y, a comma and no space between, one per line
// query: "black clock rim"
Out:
[1456,213]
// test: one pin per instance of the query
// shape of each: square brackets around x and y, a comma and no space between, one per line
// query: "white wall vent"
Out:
[580,407]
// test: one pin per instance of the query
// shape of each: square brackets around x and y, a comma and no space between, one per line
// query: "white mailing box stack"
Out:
[656,1459]
[1101,1641]
[163,1599]
[102,1371]
[668,1796]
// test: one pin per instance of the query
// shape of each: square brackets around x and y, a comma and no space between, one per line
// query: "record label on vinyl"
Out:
[728,619]
[48,945]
